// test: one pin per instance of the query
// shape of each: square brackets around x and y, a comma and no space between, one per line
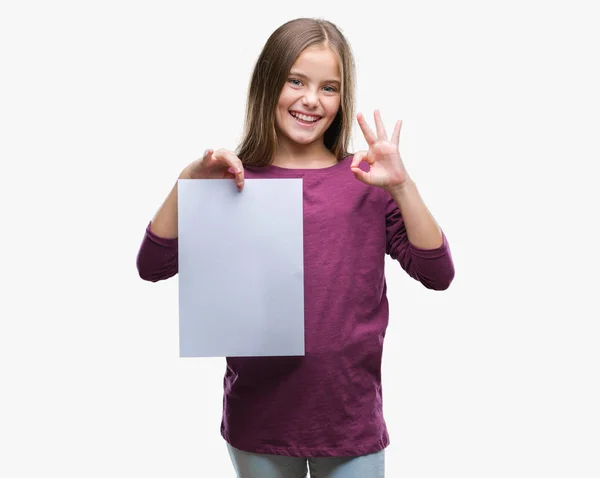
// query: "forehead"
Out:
[317,62]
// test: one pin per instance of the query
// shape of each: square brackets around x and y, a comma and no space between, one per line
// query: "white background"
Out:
[103,103]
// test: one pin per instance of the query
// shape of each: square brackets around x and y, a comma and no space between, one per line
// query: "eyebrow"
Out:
[302,75]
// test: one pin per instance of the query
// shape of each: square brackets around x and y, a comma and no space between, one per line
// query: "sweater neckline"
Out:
[318,171]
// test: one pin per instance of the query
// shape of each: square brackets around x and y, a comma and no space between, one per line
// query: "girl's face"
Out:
[312,88]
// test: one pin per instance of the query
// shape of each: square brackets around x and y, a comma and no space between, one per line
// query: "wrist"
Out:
[401,189]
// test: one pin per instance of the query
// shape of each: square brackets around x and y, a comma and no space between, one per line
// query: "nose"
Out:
[310,99]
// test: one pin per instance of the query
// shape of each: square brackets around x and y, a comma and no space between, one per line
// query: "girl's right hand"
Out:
[221,164]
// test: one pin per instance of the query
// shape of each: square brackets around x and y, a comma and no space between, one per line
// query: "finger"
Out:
[231,174]
[233,162]
[358,157]
[204,159]
[230,159]
[369,135]
[361,175]
[381,134]
[396,134]
[209,155]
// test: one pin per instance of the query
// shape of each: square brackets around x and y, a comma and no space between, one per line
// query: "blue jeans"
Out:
[253,465]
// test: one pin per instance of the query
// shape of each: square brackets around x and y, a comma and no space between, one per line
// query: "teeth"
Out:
[304,117]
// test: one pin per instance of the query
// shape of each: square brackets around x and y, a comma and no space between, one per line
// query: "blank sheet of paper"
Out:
[241,268]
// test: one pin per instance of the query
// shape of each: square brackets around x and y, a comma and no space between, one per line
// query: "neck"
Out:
[314,155]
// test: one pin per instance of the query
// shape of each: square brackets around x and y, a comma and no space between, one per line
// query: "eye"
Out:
[291,80]
[332,90]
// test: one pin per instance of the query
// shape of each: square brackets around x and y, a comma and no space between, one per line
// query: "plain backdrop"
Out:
[103,103]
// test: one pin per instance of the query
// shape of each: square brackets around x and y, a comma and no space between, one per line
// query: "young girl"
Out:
[323,408]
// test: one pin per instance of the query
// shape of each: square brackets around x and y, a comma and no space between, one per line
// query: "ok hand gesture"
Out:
[386,169]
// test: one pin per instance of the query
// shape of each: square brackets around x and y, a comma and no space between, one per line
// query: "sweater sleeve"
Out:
[157,257]
[433,268]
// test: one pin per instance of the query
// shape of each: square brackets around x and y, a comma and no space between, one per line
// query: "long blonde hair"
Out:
[268,78]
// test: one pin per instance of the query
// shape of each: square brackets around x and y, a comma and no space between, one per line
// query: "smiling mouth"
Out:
[299,119]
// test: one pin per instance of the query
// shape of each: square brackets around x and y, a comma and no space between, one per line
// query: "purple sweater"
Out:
[329,401]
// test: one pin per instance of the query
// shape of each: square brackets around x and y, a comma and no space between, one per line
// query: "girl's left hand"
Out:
[386,169]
